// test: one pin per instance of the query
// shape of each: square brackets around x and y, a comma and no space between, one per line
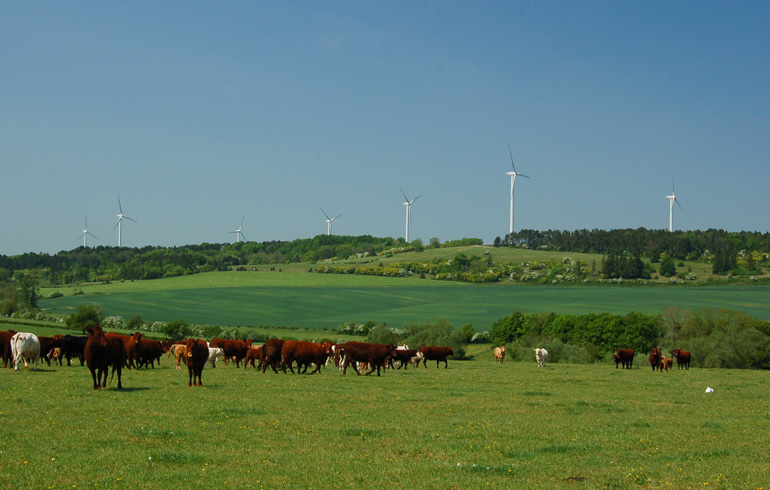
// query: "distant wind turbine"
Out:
[513,175]
[119,224]
[85,234]
[329,221]
[671,200]
[239,231]
[408,205]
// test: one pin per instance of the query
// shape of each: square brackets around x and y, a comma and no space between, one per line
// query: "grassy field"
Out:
[474,425]
[296,298]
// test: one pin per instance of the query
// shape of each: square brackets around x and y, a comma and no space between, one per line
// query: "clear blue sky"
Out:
[198,113]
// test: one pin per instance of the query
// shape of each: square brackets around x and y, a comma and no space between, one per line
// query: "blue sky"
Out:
[200,113]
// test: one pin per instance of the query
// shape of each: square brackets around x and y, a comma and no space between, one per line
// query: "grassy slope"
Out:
[474,425]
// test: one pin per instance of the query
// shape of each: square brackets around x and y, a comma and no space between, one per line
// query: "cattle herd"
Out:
[102,351]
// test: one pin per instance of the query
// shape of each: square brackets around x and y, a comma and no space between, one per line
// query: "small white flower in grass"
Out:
[149,459]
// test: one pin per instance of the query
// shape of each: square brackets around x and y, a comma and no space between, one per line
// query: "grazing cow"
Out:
[500,354]
[235,349]
[179,351]
[72,346]
[626,357]
[540,356]
[437,354]
[196,357]
[374,355]
[304,353]
[655,355]
[253,357]
[271,354]
[25,347]
[103,350]
[5,339]
[403,356]
[682,359]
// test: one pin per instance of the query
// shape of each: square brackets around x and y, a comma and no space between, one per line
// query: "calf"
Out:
[179,351]
[499,354]
[253,357]
[196,357]
[103,350]
[437,354]
[666,363]
[25,347]
[540,356]
[403,356]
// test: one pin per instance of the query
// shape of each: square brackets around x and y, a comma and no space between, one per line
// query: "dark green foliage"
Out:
[668,266]
[725,258]
[177,330]
[440,333]
[85,316]
[624,264]
[382,334]
[28,292]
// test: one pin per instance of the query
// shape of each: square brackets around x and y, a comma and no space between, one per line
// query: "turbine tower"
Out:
[408,205]
[329,221]
[85,234]
[671,200]
[238,232]
[119,224]
[513,175]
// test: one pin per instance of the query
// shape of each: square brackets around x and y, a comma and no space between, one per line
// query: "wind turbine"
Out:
[671,200]
[239,232]
[329,221]
[408,205]
[85,234]
[119,224]
[513,175]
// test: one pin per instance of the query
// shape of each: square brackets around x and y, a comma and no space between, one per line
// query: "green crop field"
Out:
[475,425]
[297,298]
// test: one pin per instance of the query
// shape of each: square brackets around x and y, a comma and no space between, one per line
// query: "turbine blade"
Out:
[511,153]
[243,218]
[244,237]
[324,212]
[132,219]
[116,224]
[677,203]
[92,235]
[416,198]
[521,175]
[119,205]
[337,216]
[404,194]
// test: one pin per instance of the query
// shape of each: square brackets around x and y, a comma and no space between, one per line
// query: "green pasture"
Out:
[476,424]
[296,298]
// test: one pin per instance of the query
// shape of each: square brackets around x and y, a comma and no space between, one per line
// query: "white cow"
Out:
[25,347]
[541,355]
[214,353]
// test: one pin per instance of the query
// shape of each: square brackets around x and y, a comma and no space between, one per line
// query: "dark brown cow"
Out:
[403,356]
[5,338]
[196,357]
[271,354]
[235,349]
[148,351]
[655,358]
[253,357]
[437,354]
[374,355]
[682,359]
[304,353]
[626,357]
[618,359]
[48,344]
[72,346]
[103,350]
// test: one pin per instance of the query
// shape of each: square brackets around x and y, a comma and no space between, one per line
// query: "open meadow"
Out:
[477,424]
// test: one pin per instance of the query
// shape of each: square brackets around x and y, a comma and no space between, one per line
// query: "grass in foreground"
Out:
[474,425]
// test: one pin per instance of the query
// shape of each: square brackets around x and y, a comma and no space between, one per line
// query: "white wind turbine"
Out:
[239,232]
[513,175]
[329,221]
[671,200]
[408,205]
[119,224]
[85,234]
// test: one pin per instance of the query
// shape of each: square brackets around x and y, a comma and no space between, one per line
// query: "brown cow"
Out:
[103,350]
[500,354]
[666,363]
[374,355]
[235,349]
[655,356]
[179,351]
[271,354]
[196,357]
[403,356]
[5,338]
[626,357]
[437,354]
[253,357]
[149,351]
[304,353]
[682,359]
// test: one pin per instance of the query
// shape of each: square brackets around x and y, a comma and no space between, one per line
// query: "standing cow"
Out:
[195,358]
[540,356]
[682,359]
[304,353]
[25,347]
[625,357]
[374,355]
[5,347]
[655,356]
[437,354]
[101,351]
[500,354]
